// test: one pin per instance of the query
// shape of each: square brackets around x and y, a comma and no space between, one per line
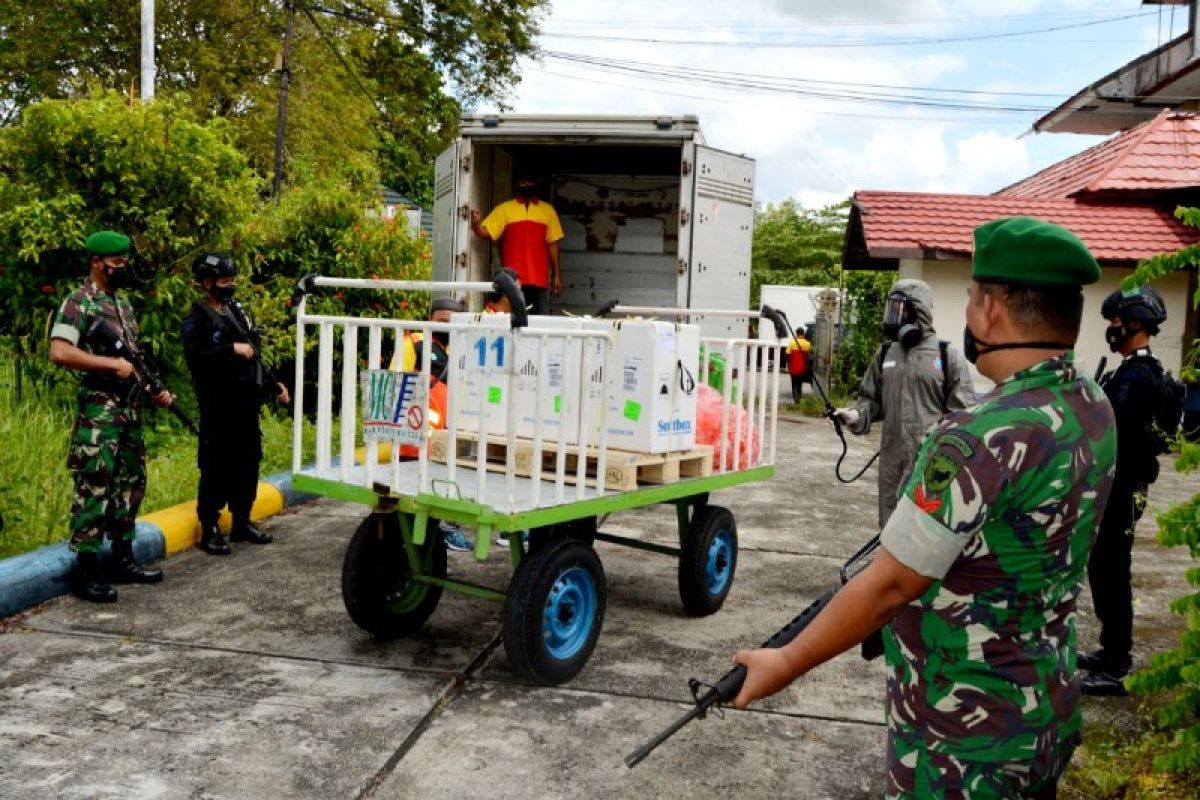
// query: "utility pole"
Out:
[147,50]
[284,76]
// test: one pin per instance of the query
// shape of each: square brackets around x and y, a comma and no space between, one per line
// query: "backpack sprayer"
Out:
[783,329]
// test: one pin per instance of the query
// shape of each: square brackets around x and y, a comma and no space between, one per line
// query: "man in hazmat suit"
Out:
[913,380]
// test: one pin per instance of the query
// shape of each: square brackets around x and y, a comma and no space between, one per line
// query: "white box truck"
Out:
[652,215]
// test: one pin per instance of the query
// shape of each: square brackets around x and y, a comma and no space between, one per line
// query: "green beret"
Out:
[107,243]
[1031,252]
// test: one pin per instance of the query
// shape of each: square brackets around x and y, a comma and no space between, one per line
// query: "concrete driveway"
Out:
[243,676]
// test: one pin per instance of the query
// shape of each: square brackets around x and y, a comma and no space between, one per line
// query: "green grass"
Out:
[35,487]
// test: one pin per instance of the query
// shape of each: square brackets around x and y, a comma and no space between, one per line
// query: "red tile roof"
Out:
[916,225]
[1159,155]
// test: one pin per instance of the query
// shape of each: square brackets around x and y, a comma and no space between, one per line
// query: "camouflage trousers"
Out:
[919,773]
[107,460]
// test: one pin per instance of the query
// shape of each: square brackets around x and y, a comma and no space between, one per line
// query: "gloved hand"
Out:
[848,415]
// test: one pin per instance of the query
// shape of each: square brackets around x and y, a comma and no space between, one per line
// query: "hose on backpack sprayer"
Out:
[783,329]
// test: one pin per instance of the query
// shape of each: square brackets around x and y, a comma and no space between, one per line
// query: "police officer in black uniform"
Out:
[232,382]
[1133,389]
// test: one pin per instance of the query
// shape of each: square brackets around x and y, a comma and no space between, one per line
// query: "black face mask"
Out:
[116,277]
[224,293]
[1116,335]
[526,192]
[442,338]
[973,347]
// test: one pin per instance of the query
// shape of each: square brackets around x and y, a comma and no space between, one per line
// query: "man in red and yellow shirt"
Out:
[528,231]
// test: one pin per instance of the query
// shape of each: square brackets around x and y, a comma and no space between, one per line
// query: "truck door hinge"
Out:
[682,267]
[465,161]
[684,217]
[462,260]
[464,211]
[685,168]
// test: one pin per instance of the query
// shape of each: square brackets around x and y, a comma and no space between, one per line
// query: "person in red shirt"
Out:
[798,350]
[528,231]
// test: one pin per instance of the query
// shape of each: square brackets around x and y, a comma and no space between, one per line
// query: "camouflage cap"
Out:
[1031,252]
[107,243]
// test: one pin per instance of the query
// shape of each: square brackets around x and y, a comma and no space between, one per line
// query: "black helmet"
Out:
[213,265]
[1141,303]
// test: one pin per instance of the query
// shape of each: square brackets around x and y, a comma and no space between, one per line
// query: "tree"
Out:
[795,246]
[1175,675]
[72,167]
[376,84]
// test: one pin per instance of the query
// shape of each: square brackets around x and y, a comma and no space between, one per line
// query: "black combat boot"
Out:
[88,583]
[125,568]
[211,540]
[246,531]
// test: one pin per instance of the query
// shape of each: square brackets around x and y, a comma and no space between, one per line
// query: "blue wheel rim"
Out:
[718,567]
[570,613]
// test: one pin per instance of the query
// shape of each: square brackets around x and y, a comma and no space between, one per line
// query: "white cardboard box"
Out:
[483,357]
[559,374]
[652,387]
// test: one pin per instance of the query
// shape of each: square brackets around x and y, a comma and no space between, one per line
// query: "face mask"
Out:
[442,338]
[224,293]
[974,347]
[526,192]
[115,277]
[1116,335]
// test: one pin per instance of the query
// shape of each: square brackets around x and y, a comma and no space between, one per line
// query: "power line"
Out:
[809,24]
[824,42]
[733,101]
[768,84]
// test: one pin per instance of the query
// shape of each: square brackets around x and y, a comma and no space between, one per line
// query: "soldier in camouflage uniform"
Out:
[107,456]
[982,561]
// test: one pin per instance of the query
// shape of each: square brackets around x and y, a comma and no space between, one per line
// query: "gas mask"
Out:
[900,321]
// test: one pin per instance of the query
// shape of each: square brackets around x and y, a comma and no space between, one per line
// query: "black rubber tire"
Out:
[700,597]
[535,585]
[376,589]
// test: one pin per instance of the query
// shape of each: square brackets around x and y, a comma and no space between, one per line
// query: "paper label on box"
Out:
[631,377]
[494,395]
[554,370]
[558,404]
[633,410]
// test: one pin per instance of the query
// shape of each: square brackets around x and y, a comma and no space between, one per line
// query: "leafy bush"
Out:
[175,185]
[1174,676]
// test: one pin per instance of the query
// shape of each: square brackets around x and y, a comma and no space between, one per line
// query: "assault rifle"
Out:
[106,338]
[708,696]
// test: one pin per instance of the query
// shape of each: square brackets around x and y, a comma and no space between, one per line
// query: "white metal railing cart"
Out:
[514,438]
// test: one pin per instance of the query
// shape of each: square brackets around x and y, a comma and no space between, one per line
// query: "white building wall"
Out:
[950,280]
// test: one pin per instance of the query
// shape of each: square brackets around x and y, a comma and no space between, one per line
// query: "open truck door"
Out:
[451,215]
[721,220]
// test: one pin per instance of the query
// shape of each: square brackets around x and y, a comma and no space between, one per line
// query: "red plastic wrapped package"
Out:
[709,407]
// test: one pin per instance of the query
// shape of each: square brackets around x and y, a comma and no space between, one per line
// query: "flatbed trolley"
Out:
[394,571]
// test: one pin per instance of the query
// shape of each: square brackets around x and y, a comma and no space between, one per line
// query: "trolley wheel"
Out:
[708,560]
[377,585]
[554,611]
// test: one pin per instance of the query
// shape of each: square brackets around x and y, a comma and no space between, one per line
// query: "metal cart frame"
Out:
[395,568]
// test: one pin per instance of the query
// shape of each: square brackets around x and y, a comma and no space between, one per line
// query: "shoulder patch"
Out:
[940,472]
[958,443]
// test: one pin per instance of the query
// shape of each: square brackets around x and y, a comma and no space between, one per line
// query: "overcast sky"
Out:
[820,149]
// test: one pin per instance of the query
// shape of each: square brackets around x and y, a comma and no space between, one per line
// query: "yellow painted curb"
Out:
[384,455]
[181,529]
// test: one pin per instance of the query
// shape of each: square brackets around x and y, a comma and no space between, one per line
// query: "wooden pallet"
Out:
[623,469]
